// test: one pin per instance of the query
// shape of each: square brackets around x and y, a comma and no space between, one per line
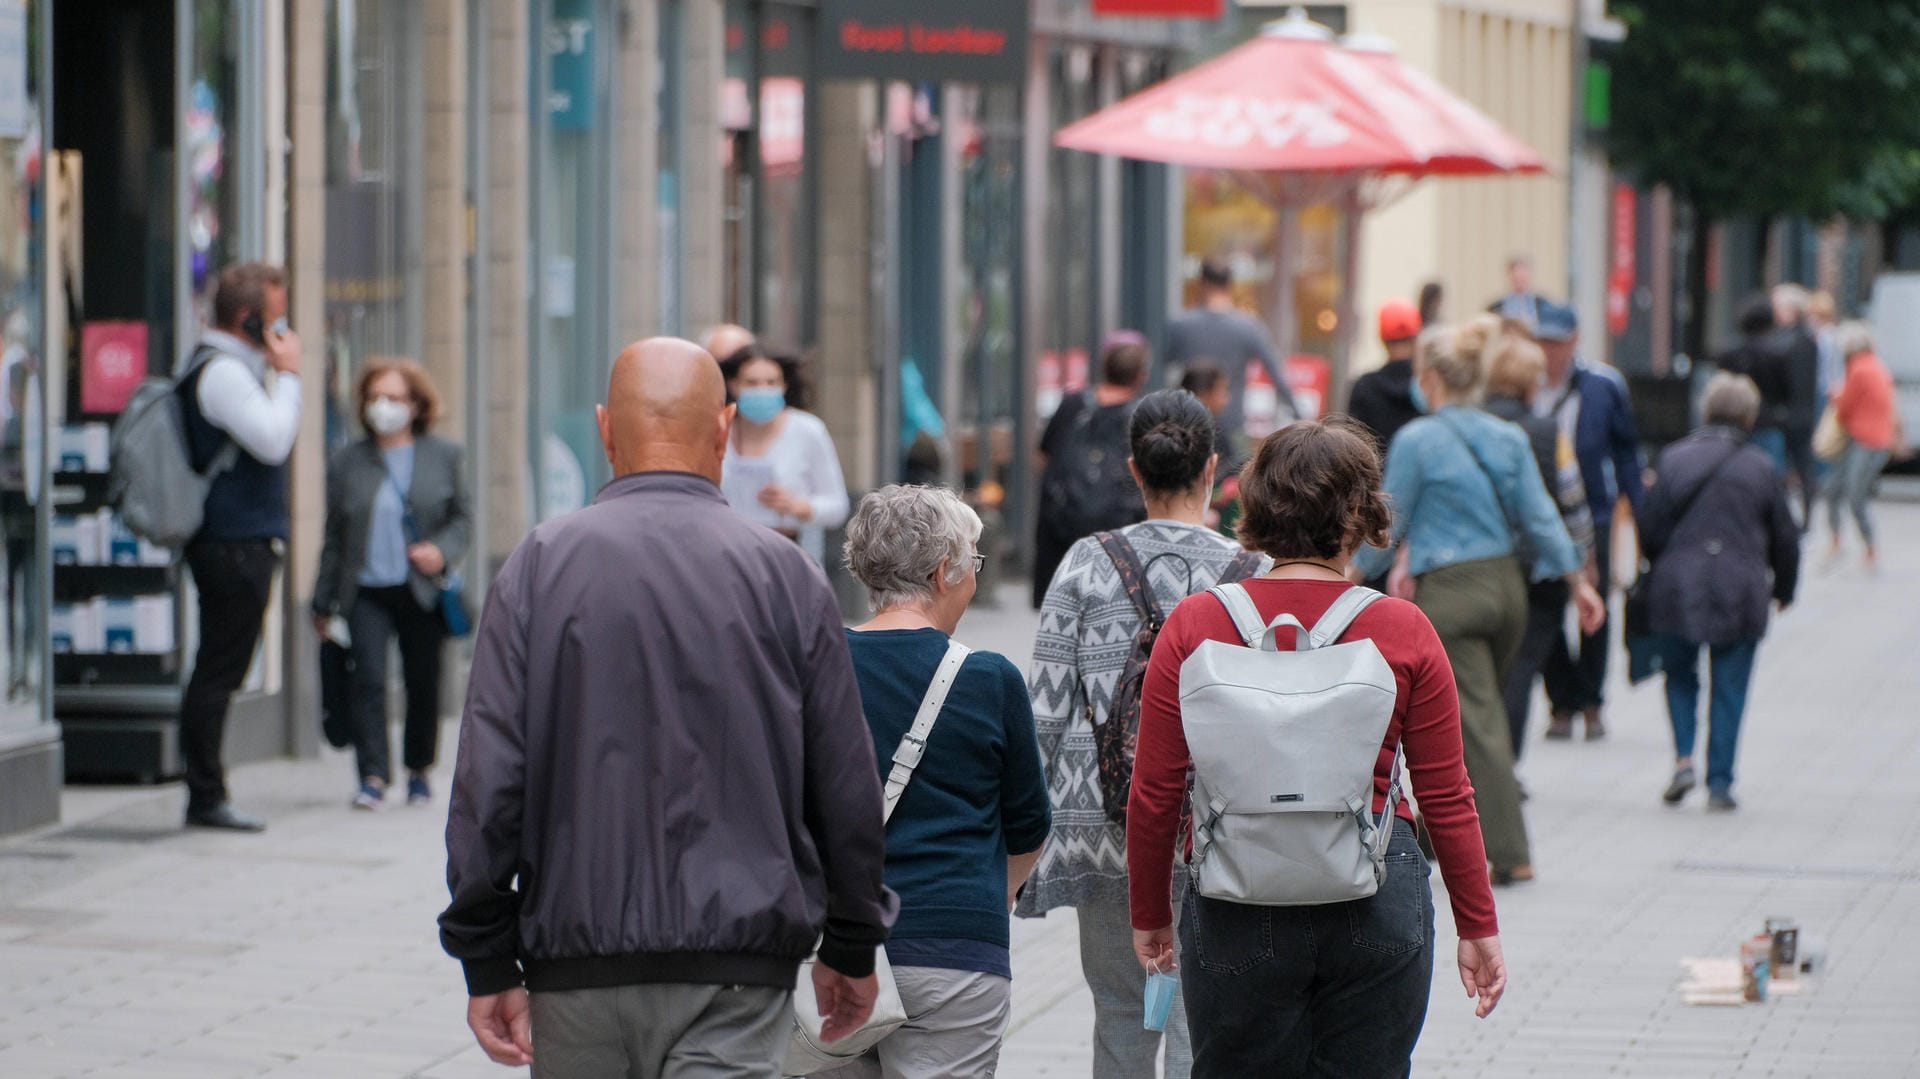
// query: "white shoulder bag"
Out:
[807,1052]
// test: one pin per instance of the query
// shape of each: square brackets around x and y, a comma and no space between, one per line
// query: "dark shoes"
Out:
[418,792]
[224,818]
[1677,789]
[1721,802]
[1519,874]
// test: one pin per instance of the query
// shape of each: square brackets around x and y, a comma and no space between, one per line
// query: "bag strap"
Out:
[1257,632]
[913,745]
[197,360]
[1513,522]
[1245,564]
[1686,505]
[1133,576]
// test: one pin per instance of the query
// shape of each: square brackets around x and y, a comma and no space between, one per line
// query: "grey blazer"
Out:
[437,498]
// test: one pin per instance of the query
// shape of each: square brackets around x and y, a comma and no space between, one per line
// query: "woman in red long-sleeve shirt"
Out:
[1339,989]
[1865,405]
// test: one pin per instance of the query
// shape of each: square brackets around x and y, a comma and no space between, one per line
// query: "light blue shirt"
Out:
[1444,505]
[387,564]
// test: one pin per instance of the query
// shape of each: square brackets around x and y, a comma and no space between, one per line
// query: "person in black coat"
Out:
[1722,542]
[1382,400]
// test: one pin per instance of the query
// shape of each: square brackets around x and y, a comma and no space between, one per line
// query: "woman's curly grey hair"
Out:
[899,537]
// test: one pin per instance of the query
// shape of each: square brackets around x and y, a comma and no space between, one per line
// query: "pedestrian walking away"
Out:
[781,469]
[1864,410]
[967,830]
[1097,628]
[1084,487]
[1207,381]
[1217,329]
[1591,404]
[1721,541]
[1382,400]
[1468,497]
[397,522]
[665,793]
[1521,304]
[244,391]
[1514,370]
[1334,988]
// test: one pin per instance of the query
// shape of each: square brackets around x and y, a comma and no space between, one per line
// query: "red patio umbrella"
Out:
[1294,101]
[1299,118]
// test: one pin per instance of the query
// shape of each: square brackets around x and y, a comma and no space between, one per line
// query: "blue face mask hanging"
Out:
[1159,999]
[762,403]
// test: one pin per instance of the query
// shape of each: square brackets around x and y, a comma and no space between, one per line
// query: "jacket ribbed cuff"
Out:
[485,977]
[853,959]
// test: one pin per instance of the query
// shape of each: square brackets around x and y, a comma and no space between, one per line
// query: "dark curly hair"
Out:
[799,391]
[1172,437]
[1312,490]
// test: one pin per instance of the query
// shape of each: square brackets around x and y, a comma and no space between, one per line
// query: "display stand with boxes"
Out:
[115,630]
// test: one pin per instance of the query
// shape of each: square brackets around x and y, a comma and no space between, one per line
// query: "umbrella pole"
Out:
[1285,340]
[1349,311]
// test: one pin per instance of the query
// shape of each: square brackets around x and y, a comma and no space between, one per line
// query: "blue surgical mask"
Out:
[1419,397]
[1158,1005]
[762,403]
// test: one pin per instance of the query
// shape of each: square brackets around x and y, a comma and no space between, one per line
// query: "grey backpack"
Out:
[152,482]
[1284,746]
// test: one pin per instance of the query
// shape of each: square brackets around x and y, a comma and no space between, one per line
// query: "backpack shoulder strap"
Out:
[1244,565]
[913,745]
[1339,617]
[1133,576]
[1246,617]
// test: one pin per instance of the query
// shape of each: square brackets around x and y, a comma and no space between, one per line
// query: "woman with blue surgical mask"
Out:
[781,469]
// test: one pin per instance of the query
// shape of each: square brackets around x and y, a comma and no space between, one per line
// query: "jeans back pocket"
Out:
[1398,918]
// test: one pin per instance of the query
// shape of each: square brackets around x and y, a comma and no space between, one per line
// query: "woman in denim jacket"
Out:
[1469,507]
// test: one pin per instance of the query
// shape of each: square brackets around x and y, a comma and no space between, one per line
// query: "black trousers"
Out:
[234,580]
[1577,682]
[379,615]
[1337,991]
[1546,615]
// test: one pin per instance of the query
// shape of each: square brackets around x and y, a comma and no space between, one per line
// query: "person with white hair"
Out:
[969,826]
[1863,403]
[1721,540]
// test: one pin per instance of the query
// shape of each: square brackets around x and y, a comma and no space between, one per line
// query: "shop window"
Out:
[375,178]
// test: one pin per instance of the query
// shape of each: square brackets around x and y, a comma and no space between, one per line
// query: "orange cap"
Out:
[1399,321]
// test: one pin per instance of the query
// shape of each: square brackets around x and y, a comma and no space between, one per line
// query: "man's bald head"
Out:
[666,410]
[726,339]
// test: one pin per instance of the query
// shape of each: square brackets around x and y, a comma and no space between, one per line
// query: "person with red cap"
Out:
[1383,400]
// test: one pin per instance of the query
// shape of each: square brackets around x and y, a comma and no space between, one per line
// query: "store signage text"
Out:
[927,41]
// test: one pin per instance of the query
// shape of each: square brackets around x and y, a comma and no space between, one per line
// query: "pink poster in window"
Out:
[113,360]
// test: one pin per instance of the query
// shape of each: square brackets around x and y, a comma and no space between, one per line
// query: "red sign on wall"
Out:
[1620,278]
[1160,9]
[113,360]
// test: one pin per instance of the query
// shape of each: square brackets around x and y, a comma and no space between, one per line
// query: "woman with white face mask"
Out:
[781,469]
[397,523]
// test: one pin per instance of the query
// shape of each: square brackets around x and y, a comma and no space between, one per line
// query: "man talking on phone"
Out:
[240,398]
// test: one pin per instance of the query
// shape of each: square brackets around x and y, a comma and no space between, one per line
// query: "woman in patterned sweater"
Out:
[1088,624]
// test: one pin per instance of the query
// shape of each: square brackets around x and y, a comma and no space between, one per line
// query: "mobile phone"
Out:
[253,327]
[280,326]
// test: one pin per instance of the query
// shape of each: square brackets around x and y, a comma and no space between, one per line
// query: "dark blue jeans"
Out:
[1338,990]
[1732,666]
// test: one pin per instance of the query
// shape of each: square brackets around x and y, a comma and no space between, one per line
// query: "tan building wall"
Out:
[1514,60]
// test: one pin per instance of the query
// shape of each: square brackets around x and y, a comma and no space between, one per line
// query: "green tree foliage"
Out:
[1765,107]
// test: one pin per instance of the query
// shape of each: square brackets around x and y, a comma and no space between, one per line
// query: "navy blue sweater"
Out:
[978,795]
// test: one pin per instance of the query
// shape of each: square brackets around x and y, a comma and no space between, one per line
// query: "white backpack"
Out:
[1284,746]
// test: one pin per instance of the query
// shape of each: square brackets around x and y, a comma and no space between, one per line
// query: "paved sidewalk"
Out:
[129,949]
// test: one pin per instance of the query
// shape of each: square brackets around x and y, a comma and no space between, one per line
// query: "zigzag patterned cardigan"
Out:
[1086,631]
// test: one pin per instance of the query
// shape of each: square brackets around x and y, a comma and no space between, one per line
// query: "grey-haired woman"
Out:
[970,824]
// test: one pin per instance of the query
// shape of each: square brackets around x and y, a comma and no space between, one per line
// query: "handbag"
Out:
[807,1051]
[1829,438]
[1646,650]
